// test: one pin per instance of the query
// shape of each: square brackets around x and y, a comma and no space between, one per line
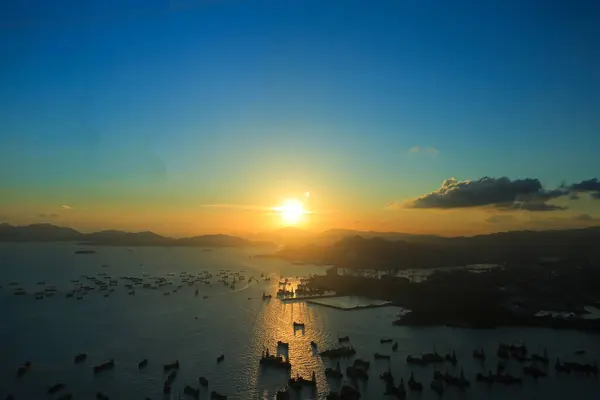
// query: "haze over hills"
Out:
[53,233]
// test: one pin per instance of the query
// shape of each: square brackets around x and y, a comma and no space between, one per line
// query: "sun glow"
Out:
[291,212]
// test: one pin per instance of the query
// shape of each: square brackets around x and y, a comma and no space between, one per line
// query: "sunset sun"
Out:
[291,212]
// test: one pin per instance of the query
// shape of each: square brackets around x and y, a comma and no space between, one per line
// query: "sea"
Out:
[237,323]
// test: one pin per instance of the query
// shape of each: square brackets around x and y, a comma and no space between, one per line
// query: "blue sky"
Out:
[193,102]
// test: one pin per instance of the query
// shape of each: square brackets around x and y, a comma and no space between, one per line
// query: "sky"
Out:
[195,116]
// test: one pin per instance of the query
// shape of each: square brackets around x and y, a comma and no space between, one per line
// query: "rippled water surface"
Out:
[234,322]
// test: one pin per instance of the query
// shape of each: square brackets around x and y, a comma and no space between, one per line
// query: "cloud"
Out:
[591,186]
[47,215]
[432,151]
[66,207]
[501,219]
[499,193]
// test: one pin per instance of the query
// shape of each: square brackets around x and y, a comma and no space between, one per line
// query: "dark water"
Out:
[196,331]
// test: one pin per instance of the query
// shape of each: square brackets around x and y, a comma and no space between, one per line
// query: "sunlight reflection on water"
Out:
[237,323]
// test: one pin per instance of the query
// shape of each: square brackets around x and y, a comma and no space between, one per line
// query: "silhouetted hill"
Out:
[38,232]
[510,247]
[53,233]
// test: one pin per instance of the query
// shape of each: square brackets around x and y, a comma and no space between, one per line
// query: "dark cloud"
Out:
[501,219]
[584,217]
[591,186]
[47,215]
[500,193]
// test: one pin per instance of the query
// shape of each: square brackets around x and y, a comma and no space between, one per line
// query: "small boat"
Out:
[172,366]
[579,352]
[79,358]
[142,364]
[415,360]
[104,366]
[191,391]
[480,355]
[413,384]
[216,396]
[334,372]
[386,340]
[338,352]
[451,358]
[381,356]
[541,358]
[274,361]
[85,251]
[283,395]
[356,373]
[283,344]
[298,324]
[395,346]
[533,371]
[358,363]
[437,386]
[344,339]
[23,369]
[203,381]
[56,388]
[221,358]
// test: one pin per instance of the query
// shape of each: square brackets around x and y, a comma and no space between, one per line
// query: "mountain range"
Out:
[53,233]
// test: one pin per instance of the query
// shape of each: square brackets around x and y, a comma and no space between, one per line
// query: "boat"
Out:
[344,339]
[386,340]
[334,372]
[143,363]
[79,358]
[358,363]
[298,324]
[104,366]
[266,296]
[356,373]
[437,385]
[541,358]
[283,395]
[191,391]
[172,366]
[533,371]
[451,358]
[203,381]
[432,358]
[338,352]
[413,384]
[221,358]
[381,356]
[85,251]
[489,378]
[217,396]
[395,346]
[56,388]
[480,355]
[415,360]
[298,381]
[561,368]
[269,360]
[283,344]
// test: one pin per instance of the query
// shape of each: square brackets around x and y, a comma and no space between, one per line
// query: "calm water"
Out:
[195,331]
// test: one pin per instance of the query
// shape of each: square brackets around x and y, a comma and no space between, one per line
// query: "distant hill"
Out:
[53,233]
[574,245]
